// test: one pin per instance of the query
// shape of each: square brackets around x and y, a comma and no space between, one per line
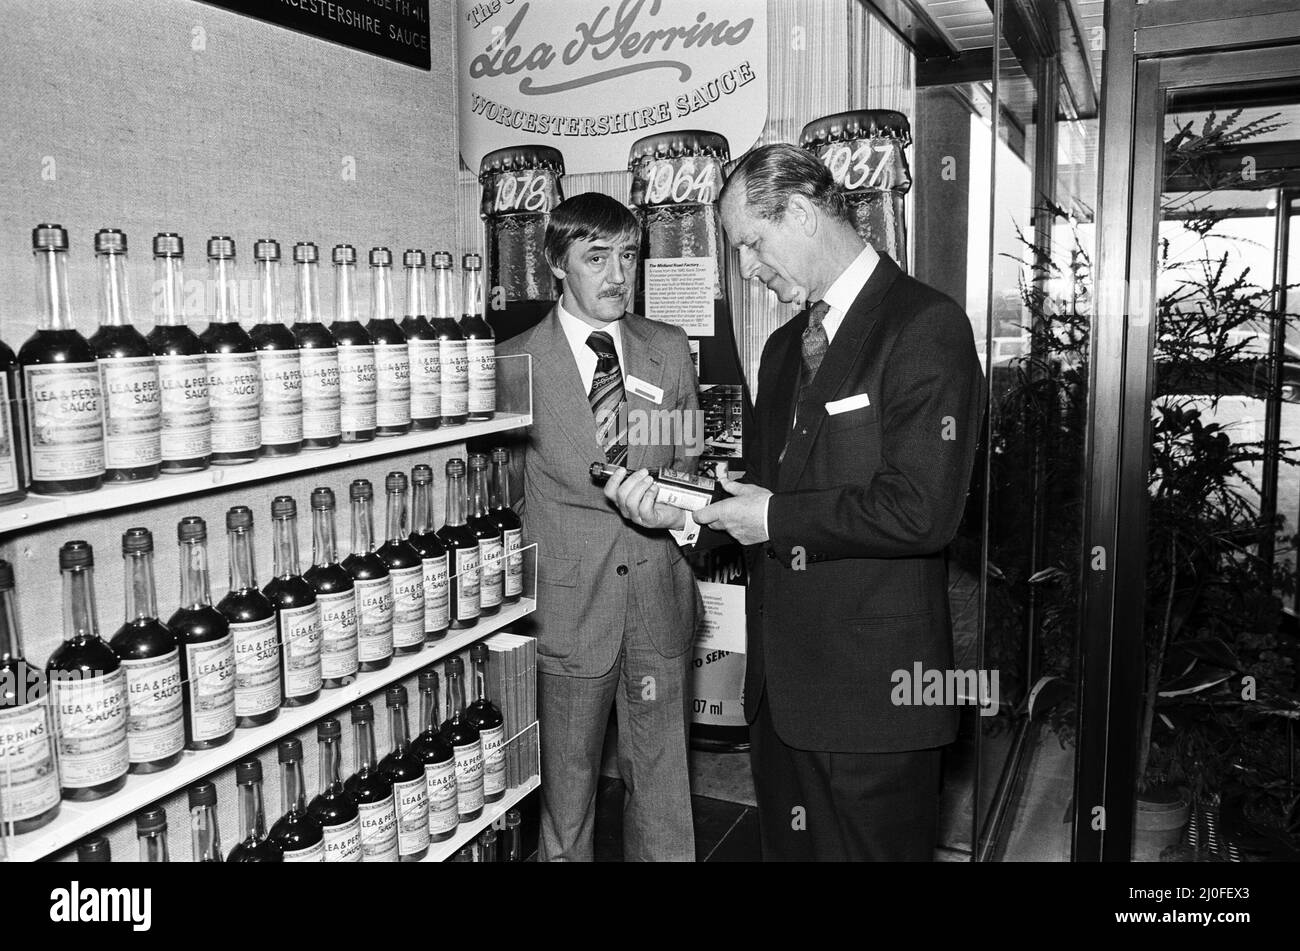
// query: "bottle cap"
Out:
[362,713]
[240,516]
[76,554]
[328,729]
[489,838]
[6,576]
[597,470]
[192,529]
[94,849]
[110,241]
[221,248]
[442,259]
[500,454]
[360,489]
[395,696]
[856,124]
[519,158]
[283,506]
[266,249]
[151,820]
[421,474]
[455,666]
[395,482]
[471,262]
[203,794]
[168,244]
[455,467]
[514,819]
[136,541]
[381,257]
[306,252]
[290,750]
[344,254]
[413,257]
[428,680]
[478,652]
[249,771]
[477,460]
[322,499]
[49,238]
[677,144]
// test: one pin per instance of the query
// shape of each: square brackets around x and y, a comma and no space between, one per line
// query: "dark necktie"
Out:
[607,396]
[815,343]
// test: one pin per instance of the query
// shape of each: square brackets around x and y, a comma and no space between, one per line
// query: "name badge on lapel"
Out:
[641,388]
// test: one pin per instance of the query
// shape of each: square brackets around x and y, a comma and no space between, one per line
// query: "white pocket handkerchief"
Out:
[835,407]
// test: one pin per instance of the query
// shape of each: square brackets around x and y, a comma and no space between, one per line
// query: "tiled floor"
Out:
[724,831]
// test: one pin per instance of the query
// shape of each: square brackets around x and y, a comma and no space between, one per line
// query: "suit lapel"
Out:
[778,392]
[559,386]
[644,361]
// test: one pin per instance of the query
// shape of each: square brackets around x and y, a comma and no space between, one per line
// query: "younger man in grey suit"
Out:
[616,602]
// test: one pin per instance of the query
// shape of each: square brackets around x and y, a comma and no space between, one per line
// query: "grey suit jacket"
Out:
[591,563]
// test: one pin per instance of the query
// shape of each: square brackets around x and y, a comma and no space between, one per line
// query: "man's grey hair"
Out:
[772,174]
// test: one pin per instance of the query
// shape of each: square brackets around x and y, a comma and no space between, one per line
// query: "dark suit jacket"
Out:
[590,561]
[853,584]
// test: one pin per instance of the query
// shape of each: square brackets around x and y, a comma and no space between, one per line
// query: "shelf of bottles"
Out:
[494,815]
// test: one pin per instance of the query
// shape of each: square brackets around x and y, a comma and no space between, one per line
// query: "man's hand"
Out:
[743,516]
[635,495]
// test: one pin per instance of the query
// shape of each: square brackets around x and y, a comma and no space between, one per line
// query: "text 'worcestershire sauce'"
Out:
[392,357]
[357,382]
[422,344]
[370,578]
[319,354]
[335,595]
[234,374]
[253,624]
[186,434]
[278,359]
[296,610]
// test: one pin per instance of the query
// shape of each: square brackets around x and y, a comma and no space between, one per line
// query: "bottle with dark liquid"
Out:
[357,381]
[371,791]
[488,534]
[297,832]
[205,835]
[453,354]
[480,345]
[278,358]
[27,765]
[88,688]
[404,770]
[333,808]
[296,610]
[433,750]
[321,426]
[512,529]
[252,624]
[254,844]
[94,849]
[13,454]
[335,596]
[433,555]
[681,489]
[465,743]
[155,724]
[392,357]
[186,434]
[371,580]
[405,569]
[151,832]
[234,377]
[65,427]
[462,550]
[207,648]
[422,345]
[486,717]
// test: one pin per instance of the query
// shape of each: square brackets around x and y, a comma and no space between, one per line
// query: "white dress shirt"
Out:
[576,331]
[841,295]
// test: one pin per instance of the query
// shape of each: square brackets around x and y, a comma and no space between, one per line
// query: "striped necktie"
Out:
[606,397]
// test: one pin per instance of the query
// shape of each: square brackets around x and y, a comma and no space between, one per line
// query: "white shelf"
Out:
[79,819]
[40,510]
[468,831]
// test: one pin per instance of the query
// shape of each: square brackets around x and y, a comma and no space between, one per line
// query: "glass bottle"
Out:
[335,595]
[297,832]
[488,534]
[512,843]
[278,357]
[357,382]
[371,580]
[453,354]
[489,848]
[151,831]
[465,743]
[207,648]
[405,569]
[65,429]
[254,844]
[234,377]
[28,770]
[94,849]
[321,427]
[512,528]
[252,625]
[462,550]
[404,770]
[433,555]
[128,373]
[371,791]
[296,611]
[155,723]
[186,433]
[480,344]
[422,345]
[392,356]
[439,759]
[13,453]
[88,687]
[486,718]
[205,834]
[333,808]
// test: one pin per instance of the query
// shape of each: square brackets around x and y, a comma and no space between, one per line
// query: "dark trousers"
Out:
[842,807]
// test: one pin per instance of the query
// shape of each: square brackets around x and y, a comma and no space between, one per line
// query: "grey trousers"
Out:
[651,696]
